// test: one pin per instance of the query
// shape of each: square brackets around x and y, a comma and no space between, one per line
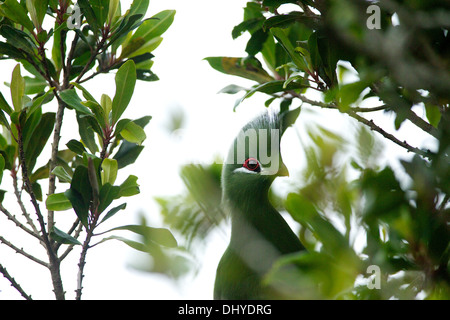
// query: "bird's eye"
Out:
[252,164]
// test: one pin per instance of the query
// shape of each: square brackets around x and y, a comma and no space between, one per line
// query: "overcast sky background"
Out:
[187,84]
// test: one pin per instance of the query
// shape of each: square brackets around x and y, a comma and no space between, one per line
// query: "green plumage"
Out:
[259,234]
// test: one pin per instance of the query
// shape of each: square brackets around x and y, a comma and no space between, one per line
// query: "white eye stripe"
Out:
[244,170]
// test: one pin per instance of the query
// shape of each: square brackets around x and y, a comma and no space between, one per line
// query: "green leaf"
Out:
[62,237]
[17,88]
[248,68]
[86,93]
[37,10]
[4,105]
[232,89]
[79,205]
[113,211]
[133,133]
[62,174]
[127,154]
[86,133]
[256,42]
[433,114]
[285,42]
[160,236]
[71,98]
[18,39]
[14,11]
[273,87]
[34,85]
[101,9]
[58,202]
[2,166]
[106,105]
[109,173]
[38,101]
[125,82]
[303,211]
[349,93]
[101,120]
[139,7]
[107,194]
[129,187]
[38,139]
[139,46]
[76,146]
[10,51]
[89,14]
[112,11]
[80,193]
[155,26]
[247,25]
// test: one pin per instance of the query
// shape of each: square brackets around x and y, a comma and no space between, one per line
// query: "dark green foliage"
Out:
[401,57]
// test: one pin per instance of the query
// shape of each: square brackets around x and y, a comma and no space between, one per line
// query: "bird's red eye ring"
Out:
[252,164]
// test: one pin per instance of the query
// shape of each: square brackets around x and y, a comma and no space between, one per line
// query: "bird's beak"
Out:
[283,170]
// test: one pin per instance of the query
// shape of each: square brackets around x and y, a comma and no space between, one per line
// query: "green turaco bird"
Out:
[259,234]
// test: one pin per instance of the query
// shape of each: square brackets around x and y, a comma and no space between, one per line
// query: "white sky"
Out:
[188,83]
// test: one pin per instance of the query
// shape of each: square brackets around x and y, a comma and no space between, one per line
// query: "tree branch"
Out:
[18,195]
[352,113]
[23,252]
[14,283]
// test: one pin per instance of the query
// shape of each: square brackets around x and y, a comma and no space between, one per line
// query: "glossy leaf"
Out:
[249,68]
[107,194]
[62,237]
[38,139]
[79,205]
[58,202]
[129,187]
[160,236]
[14,11]
[76,146]
[155,26]
[62,174]
[125,82]
[109,173]
[113,211]
[133,133]
[70,97]
[37,10]
[283,39]
[127,153]
[4,105]
[18,39]
[17,88]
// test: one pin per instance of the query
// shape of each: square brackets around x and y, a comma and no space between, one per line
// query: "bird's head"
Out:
[254,160]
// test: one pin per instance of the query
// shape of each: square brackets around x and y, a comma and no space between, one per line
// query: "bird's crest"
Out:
[260,139]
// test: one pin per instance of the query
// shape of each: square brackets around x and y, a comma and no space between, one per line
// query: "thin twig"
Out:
[14,283]
[387,135]
[352,113]
[18,223]
[23,252]
[18,195]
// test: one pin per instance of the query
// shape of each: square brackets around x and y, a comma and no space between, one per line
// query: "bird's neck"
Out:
[252,216]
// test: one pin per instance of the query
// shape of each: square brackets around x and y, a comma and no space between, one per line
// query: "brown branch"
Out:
[352,113]
[387,135]
[18,195]
[18,223]
[14,283]
[54,155]
[23,252]
[54,266]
